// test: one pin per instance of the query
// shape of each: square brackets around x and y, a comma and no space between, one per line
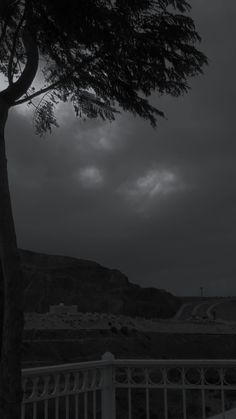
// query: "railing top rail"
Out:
[128,363]
[175,362]
[78,366]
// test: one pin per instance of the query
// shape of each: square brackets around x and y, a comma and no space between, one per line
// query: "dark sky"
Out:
[160,205]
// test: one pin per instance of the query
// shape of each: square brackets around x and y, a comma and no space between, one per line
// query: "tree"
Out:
[104,54]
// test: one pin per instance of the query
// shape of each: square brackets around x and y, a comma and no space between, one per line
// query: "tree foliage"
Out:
[101,55]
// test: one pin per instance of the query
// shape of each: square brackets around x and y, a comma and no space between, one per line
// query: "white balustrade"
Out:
[131,389]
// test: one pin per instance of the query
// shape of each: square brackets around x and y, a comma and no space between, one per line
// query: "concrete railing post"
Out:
[108,389]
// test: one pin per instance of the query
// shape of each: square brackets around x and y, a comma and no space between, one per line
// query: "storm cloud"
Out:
[160,205]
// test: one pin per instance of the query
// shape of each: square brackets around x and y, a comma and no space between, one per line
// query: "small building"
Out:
[63,309]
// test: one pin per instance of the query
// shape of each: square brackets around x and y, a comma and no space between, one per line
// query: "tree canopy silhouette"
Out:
[101,55]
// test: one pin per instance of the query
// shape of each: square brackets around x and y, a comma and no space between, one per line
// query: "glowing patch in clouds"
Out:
[91,177]
[155,183]
[98,136]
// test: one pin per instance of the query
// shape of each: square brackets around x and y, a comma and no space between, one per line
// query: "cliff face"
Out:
[53,279]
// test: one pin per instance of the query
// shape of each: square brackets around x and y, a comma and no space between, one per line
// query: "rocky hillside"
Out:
[54,279]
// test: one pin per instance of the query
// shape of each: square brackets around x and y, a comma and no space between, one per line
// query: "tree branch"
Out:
[3,32]
[13,92]
[10,72]
[38,93]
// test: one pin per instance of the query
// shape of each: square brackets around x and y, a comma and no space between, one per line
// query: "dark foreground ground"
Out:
[63,346]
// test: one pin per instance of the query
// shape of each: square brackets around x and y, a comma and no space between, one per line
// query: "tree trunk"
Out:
[11,277]
[12,289]
[1,303]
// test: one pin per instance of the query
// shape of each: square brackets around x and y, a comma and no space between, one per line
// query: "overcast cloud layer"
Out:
[160,205]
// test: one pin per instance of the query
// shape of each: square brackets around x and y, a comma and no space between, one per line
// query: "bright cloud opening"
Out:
[155,182]
[91,177]
[145,189]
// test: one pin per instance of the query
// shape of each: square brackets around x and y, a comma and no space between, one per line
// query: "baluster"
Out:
[45,394]
[203,393]
[76,389]
[222,390]
[85,389]
[76,406]
[94,404]
[46,409]
[66,390]
[184,394]
[23,410]
[35,395]
[108,389]
[56,407]
[86,405]
[94,387]
[56,392]
[67,407]
[35,410]
[165,393]
[147,394]
[24,397]
[129,395]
